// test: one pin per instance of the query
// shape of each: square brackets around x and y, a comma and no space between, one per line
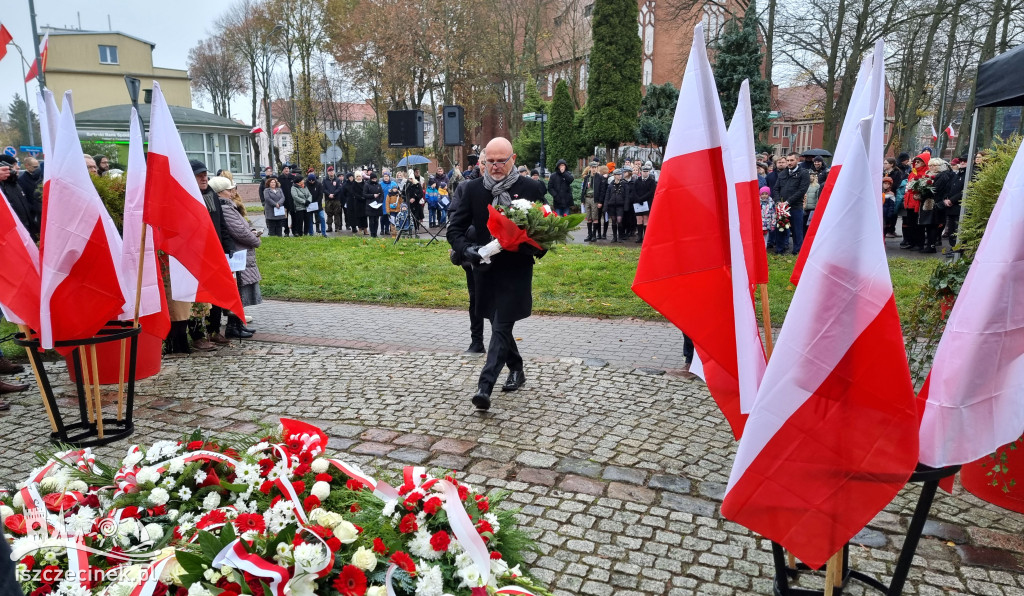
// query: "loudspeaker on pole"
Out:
[453,122]
[405,128]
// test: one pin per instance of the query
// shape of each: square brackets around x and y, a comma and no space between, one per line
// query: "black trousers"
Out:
[912,233]
[502,351]
[687,349]
[476,323]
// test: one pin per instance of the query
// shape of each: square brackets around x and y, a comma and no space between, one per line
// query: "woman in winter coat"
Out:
[319,217]
[934,219]
[414,194]
[560,187]
[355,198]
[348,188]
[239,230]
[373,198]
[913,234]
[301,198]
[273,198]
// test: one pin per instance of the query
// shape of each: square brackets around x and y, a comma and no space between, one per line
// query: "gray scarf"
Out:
[499,188]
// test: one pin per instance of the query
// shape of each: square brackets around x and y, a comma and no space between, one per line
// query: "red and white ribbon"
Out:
[464,530]
[515,591]
[152,577]
[83,459]
[78,561]
[381,489]
[235,555]
[289,492]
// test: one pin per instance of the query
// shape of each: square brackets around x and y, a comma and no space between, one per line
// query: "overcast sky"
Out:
[173,26]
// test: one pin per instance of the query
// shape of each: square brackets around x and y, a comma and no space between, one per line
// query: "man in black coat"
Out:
[213,321]
[504,291]
[332,189]
[644,188]
[791,187]
[560,188]
[22,206]
[287,181]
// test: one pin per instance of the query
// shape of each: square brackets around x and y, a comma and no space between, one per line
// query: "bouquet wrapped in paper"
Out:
[782,216]
[534,225]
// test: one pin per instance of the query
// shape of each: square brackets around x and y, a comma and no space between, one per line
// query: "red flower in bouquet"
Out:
[432,505]
[266,465]
[482,504]
[483,526]
[214,517]
[310,503]
[250,522]
[42,590]
[463,492]
[59,501]
[379,547]
[495,555]
[354,508]
[353,484]
[404,562]
[408,524]
[440,541]
[51,574]
[28,561]
[351,581]
[16,523]
[325,477]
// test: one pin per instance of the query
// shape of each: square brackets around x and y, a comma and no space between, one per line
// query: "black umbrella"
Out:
[815,153]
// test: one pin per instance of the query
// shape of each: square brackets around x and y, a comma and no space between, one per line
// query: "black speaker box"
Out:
[405,128]
[453,125]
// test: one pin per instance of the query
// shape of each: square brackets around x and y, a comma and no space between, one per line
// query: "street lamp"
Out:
[266,94]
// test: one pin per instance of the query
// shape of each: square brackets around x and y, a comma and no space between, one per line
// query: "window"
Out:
[775,131]
[785,131]
[588,10]
[108,54]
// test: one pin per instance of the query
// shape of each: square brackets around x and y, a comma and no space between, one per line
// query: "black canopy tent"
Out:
[1000,82]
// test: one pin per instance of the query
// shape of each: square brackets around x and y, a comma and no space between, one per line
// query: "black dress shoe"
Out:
[476,347]
[515,380]
[482,401]
[237,333]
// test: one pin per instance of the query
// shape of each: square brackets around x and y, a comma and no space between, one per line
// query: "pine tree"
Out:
[561,144]
[19,122]
[738,56]
[656,112]
[614,81]
[527,143]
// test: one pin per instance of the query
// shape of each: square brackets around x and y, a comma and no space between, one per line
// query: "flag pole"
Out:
[766,316]
[83,356]
[96,390]
[39,382]
[135,324]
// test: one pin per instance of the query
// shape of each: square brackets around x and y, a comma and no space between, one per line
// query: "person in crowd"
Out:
[266,173]
[386,186]
[24,207]
[473,161]
[791,187]
[913,234]
[819,170]
[903,163]
[773,174]
[888,201]
[9,368]
[392,206]
[503,288]
[433,205]
[213,319]
[952,204]
[455,177]
[317,218]
[102,164]
[523,171]
[629,214]
[560,188]
[31,180]
[348,187]
[644,189]
[769,217]
[600,192]
[415,198]
[359,203]
[444,201]
[587,201]
[90,164]
[244,237]
[273,207]
[301,199]
[332,192]
[889,170]
[476,322]
[811,199]
[439,176]
[762,174]
[287,181]
[535,174]
[400,180]
[373,197]
[618,194]
[933,211]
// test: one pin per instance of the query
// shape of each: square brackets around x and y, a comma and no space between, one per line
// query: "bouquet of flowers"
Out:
[782,216]
[523,222]
[923,187]
[268,515]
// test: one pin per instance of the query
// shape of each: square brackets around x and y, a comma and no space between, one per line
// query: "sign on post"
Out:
[8,150]
[332,135]
[333,154]
[323,159]
[529,116]
[31,150]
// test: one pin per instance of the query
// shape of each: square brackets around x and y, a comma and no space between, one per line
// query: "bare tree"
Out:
[217,73]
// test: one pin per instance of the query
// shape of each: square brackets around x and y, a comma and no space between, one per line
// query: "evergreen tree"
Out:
[656,112]
[561,144]
[614,81]
[737,56]
[527,143]
[18,118]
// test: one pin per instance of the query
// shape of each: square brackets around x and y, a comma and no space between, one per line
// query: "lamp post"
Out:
[266,94]
[40,76]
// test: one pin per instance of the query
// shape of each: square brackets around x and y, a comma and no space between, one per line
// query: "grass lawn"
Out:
[577,279]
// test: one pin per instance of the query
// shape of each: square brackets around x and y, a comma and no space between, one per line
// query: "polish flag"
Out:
[5,38]
[19,277]
[950,132]
[33,70]
[80,249]
[180,220]
[935,135]
[256,130]
[685,271]
[975,392]
[278,128]
[832,437]
[49,116]
[859,108]
[153,314]
[748,195]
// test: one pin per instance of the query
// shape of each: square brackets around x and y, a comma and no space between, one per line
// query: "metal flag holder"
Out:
[92,429]
[784,573]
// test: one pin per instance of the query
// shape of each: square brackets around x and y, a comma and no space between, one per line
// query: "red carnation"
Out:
[379,547]
[28,561]
[351,581]
[440,541]
[266,486]
[250,522]
[42,590]
[325,477]
[483,505]
[158,510]
[302,470]
[195,446]
[310,503]
[354,484]
[299,487]
[408,524]
[354,508]
[463,492]
[496,555]
[432,505]
[51,574]
[483,526]
[404,562]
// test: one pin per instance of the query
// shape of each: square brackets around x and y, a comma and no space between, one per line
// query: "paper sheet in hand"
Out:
[641,207]
[375,205]
[236,261]
[313,207]
[278,211]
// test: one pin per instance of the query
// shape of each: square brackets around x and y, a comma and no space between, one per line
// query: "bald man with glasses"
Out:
[503,288]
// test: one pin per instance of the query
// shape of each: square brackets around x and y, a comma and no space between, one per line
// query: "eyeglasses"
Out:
[492,163]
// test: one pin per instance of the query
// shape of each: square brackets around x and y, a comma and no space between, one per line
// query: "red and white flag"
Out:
[80,248]
[950,132]
[256,130]
[860,107]
[5,38]
[153,314]
[832,436]
[744,174]
[49,116]
[19,277]
[685,271]
[34,70]
[975,392]
[180,220]
[935,135]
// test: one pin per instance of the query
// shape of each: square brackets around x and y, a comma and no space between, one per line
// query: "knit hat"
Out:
[7,159]
[393,191]
[611,165]
[887,179]
[764,190]
[617,172]
[220,184]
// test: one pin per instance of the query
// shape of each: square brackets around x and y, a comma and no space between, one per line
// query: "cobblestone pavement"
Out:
[618,473]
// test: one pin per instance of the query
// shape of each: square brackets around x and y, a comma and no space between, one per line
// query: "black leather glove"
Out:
[471,255]
[529,250]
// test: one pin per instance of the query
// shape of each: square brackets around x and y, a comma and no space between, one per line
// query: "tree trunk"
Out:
[986,118]
[918,90]
[769,40]
[950,42]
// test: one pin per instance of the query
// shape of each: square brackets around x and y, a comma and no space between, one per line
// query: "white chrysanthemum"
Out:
[320,490]
[279,471]
[429,580]
[309,557]
[420,546]
[186,518]
[147,474]
[154,532]
[320,465]
[159,496]
[389,508]
[77,486]
[279,517]
[211,501]
[167,483]
[200,477]
[463,560]
[5,511]
[72,587]
[258,448]
[493,520]
[522,204]
[176,465]
[132,458]
[376,591]
[173,514]
[184,493]
[18,502]
[197,589]
[364,559]
[81,521]
[247,473]
[162,450]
